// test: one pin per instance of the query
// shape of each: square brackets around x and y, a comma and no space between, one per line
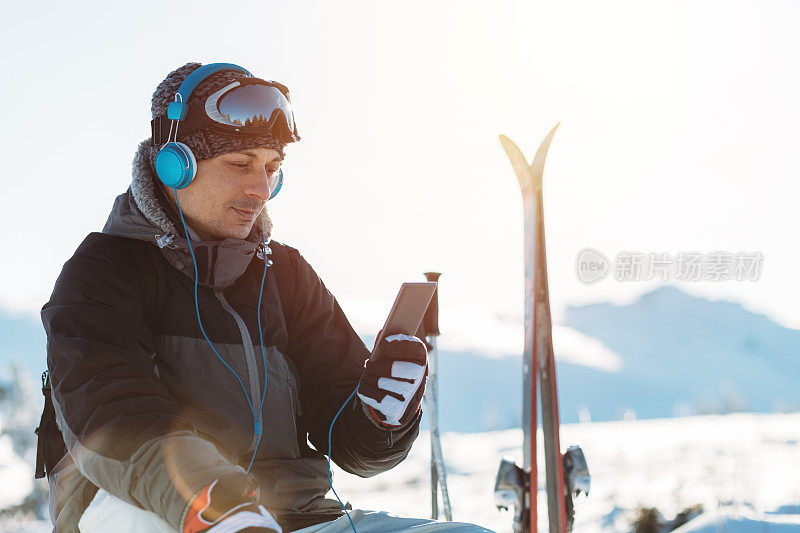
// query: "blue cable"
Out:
[330,450]
[261,342]
[256,419]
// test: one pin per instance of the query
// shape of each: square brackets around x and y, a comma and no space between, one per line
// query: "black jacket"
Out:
[147,410]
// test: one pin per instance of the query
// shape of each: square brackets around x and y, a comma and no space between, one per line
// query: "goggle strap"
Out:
[160,128]
[155,131]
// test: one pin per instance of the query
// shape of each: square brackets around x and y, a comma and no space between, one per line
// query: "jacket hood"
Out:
[143,212]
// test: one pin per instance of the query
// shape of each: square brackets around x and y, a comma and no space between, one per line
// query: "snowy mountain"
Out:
[683,354]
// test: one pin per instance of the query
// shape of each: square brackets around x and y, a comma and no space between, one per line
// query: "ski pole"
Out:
[430,324]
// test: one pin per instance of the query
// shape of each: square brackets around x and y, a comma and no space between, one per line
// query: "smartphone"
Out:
[407,311]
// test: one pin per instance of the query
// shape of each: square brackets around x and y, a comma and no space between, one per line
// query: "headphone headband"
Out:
[178,110]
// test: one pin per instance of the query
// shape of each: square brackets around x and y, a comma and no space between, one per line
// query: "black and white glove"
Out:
[392,388]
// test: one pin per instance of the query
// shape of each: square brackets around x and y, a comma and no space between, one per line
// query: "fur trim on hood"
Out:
[145,190]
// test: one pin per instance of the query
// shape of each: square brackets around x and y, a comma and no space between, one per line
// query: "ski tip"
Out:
[511,149]
[521,167]
[546,142]
[529,175]
[508,144]
[538,161]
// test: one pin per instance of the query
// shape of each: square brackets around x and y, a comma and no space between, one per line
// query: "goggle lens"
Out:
[255,106]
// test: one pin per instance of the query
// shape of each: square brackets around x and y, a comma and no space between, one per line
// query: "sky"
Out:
[678,132]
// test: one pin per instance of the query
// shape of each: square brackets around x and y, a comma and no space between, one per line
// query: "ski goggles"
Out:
[247,106]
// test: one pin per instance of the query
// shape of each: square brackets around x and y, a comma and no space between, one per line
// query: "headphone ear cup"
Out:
[176,165]
[278,187]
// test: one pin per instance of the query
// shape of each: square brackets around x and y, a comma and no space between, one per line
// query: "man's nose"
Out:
[258,185]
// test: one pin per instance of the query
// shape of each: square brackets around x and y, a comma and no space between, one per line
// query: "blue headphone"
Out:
[176,165]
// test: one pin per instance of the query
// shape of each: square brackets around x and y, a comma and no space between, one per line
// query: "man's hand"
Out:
[229,504]
[392,388]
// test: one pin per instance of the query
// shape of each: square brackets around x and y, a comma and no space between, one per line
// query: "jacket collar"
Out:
[143,212]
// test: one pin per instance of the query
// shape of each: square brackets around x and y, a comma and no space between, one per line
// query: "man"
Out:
[201,372]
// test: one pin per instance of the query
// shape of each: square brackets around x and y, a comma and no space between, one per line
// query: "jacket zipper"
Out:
[293,398]
[250,358]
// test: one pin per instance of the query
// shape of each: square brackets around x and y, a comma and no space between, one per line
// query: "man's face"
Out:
[226,196]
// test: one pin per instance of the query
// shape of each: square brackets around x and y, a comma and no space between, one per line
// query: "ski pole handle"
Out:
[430,322]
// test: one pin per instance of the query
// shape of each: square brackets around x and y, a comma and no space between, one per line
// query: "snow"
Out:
[741,520]
[27,527]
[743,468]
[13,467]
[749,462]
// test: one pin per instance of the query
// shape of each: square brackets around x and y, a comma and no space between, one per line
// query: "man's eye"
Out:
[240,165]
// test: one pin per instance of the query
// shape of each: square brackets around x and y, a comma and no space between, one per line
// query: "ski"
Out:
[514,485]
